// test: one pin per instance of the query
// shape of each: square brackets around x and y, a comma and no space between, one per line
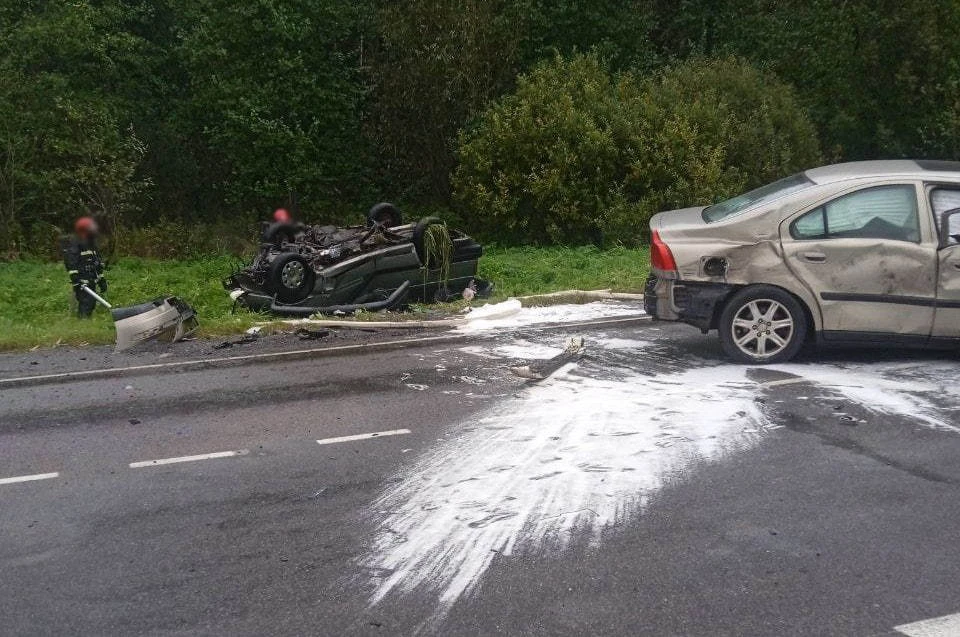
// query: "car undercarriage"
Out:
[303,270]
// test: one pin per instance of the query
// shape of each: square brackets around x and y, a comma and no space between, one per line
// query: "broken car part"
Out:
[543,369]
[167,318]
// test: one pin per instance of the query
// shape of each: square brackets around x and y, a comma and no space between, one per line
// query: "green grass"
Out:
[524,271]
[37,307]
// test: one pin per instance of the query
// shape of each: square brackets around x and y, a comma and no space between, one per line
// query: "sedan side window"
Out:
[883,212]
[942,200]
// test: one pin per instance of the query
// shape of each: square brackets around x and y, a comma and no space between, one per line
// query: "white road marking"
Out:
[947,626]
[204,456]
[36,476]
[379,434]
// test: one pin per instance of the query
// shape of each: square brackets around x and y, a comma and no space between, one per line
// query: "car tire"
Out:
[384,214]
[762,325]
[419,231]
[291,277]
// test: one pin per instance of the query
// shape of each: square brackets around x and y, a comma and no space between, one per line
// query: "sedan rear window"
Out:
[763,194]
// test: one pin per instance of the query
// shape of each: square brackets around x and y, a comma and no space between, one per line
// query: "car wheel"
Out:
[291,277]
[762,325]
[384,214]
[419,231]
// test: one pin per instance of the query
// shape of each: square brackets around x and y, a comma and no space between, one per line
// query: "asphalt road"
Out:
[652,489]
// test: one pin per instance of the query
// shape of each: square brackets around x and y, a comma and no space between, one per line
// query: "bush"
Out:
[578,155]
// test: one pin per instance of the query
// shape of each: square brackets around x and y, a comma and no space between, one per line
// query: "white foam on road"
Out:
[565,313]
[947,626]
[903,389]
[568,459]
[573,456]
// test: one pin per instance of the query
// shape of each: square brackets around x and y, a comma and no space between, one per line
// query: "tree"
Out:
[438,65]
[275,101]
[580,155]
[875,75]
[64,147]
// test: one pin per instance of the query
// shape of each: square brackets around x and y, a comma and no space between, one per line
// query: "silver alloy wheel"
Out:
[762,328]
[292,275]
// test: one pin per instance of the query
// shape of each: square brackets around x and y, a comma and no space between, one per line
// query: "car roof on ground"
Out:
[918,168]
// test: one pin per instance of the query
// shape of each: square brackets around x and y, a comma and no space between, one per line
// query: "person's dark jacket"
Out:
[83,262]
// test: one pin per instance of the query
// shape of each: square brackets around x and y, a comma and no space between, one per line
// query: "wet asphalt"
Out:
[834,516]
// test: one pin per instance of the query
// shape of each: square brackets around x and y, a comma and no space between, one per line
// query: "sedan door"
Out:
[870,260]
[947,319]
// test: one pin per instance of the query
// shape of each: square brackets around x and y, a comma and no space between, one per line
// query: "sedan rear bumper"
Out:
[689,302]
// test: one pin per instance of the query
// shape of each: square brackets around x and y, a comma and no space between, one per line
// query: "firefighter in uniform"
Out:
[83,263]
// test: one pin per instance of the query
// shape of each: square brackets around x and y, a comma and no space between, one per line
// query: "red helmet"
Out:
[280,215]
[86,226]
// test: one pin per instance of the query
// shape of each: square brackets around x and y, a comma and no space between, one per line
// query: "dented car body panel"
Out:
[858,245]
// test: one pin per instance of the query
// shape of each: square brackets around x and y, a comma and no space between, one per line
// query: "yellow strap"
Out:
[73,271]
[87,253]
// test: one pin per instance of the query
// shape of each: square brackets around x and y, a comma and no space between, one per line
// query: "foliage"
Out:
[64,145]
[528,270]
[275,99]
[438,64]
[36,305]
[439,251]
[579,155]
[211,111]
[879,77]
[544,163]
[715,128]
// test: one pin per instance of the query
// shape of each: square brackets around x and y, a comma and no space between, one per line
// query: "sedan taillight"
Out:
[660,256]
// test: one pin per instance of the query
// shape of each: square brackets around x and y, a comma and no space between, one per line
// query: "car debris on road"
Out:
[541,370]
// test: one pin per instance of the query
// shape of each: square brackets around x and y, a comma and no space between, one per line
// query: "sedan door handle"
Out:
[813,257]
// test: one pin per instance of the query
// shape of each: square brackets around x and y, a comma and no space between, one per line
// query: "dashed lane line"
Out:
[946,626]
[142,464]
[203,456]
[378,434]
[31,478]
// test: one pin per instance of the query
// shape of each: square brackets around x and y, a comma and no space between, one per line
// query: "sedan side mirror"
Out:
[950,227]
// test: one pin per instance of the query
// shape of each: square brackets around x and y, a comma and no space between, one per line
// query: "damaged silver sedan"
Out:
[865,252]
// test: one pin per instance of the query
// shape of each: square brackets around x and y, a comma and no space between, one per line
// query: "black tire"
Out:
[763,325]
[291,278]
[418,231]
[384,214]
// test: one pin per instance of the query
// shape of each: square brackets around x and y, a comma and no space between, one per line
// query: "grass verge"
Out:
[37,306]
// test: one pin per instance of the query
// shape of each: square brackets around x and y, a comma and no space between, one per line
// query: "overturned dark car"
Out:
[303,270]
